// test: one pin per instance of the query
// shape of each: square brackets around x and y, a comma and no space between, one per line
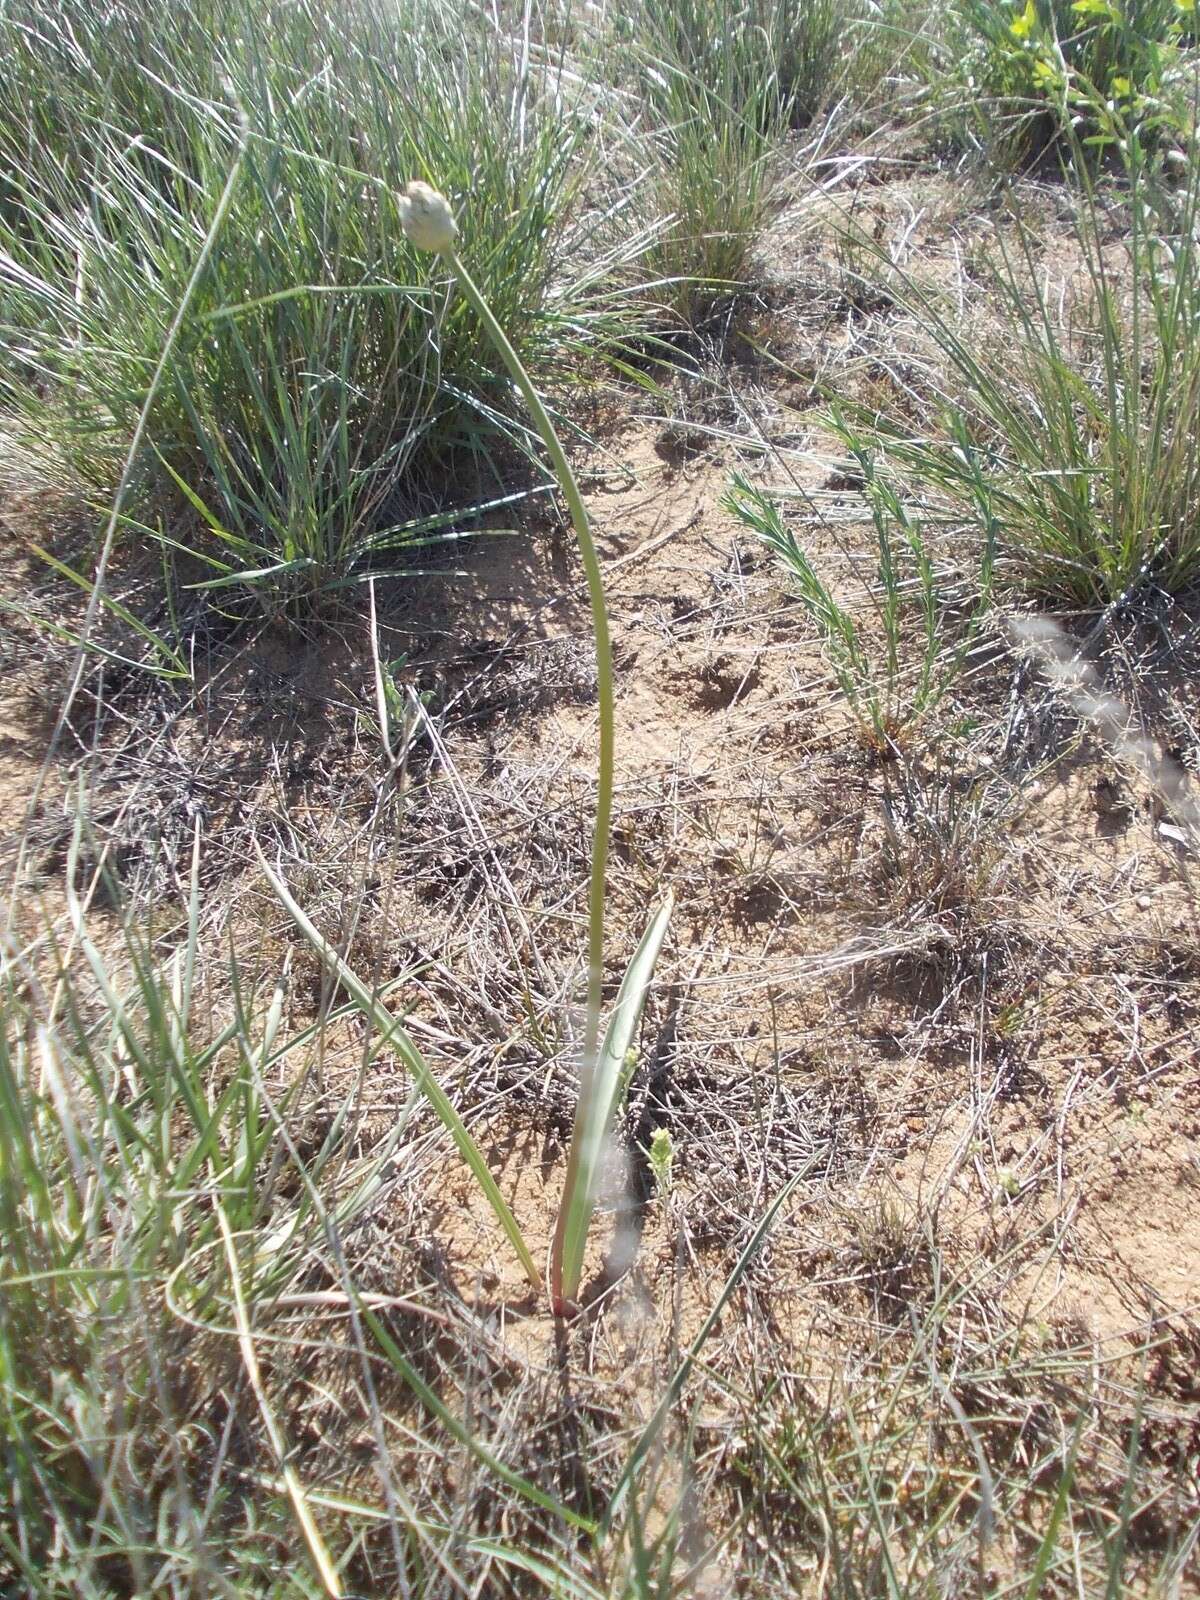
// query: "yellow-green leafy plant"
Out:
[1032,73]
[661,1156]
[607,1063]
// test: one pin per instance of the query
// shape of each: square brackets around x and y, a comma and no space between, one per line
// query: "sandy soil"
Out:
[960,998]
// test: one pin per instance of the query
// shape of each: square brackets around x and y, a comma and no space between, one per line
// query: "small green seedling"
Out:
[888,690]
[661,1156]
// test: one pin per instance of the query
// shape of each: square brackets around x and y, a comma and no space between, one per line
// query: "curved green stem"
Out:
[604,689]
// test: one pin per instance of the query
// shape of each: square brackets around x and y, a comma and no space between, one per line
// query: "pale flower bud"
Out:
[426,218]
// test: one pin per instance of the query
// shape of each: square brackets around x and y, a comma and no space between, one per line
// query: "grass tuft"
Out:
[322,387]
[1079,400]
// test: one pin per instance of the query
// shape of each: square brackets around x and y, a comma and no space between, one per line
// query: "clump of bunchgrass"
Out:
[1080,400]
[139,1138]
[717,100]
[320,389]
[792,52]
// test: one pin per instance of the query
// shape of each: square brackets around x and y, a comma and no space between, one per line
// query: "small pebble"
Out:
[1144,902]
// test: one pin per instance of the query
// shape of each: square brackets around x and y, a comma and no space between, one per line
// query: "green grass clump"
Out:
[134,1137]
[1081,400]
[761,52]
[320,385]
[719,83]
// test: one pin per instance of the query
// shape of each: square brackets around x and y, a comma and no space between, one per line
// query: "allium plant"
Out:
[607,1063]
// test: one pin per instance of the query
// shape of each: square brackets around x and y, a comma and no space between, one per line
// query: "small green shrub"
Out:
[910,602]
[1030,73]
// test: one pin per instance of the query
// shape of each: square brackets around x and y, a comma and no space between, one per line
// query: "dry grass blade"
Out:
[680,1376]
[295,1490]
[398,1038]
